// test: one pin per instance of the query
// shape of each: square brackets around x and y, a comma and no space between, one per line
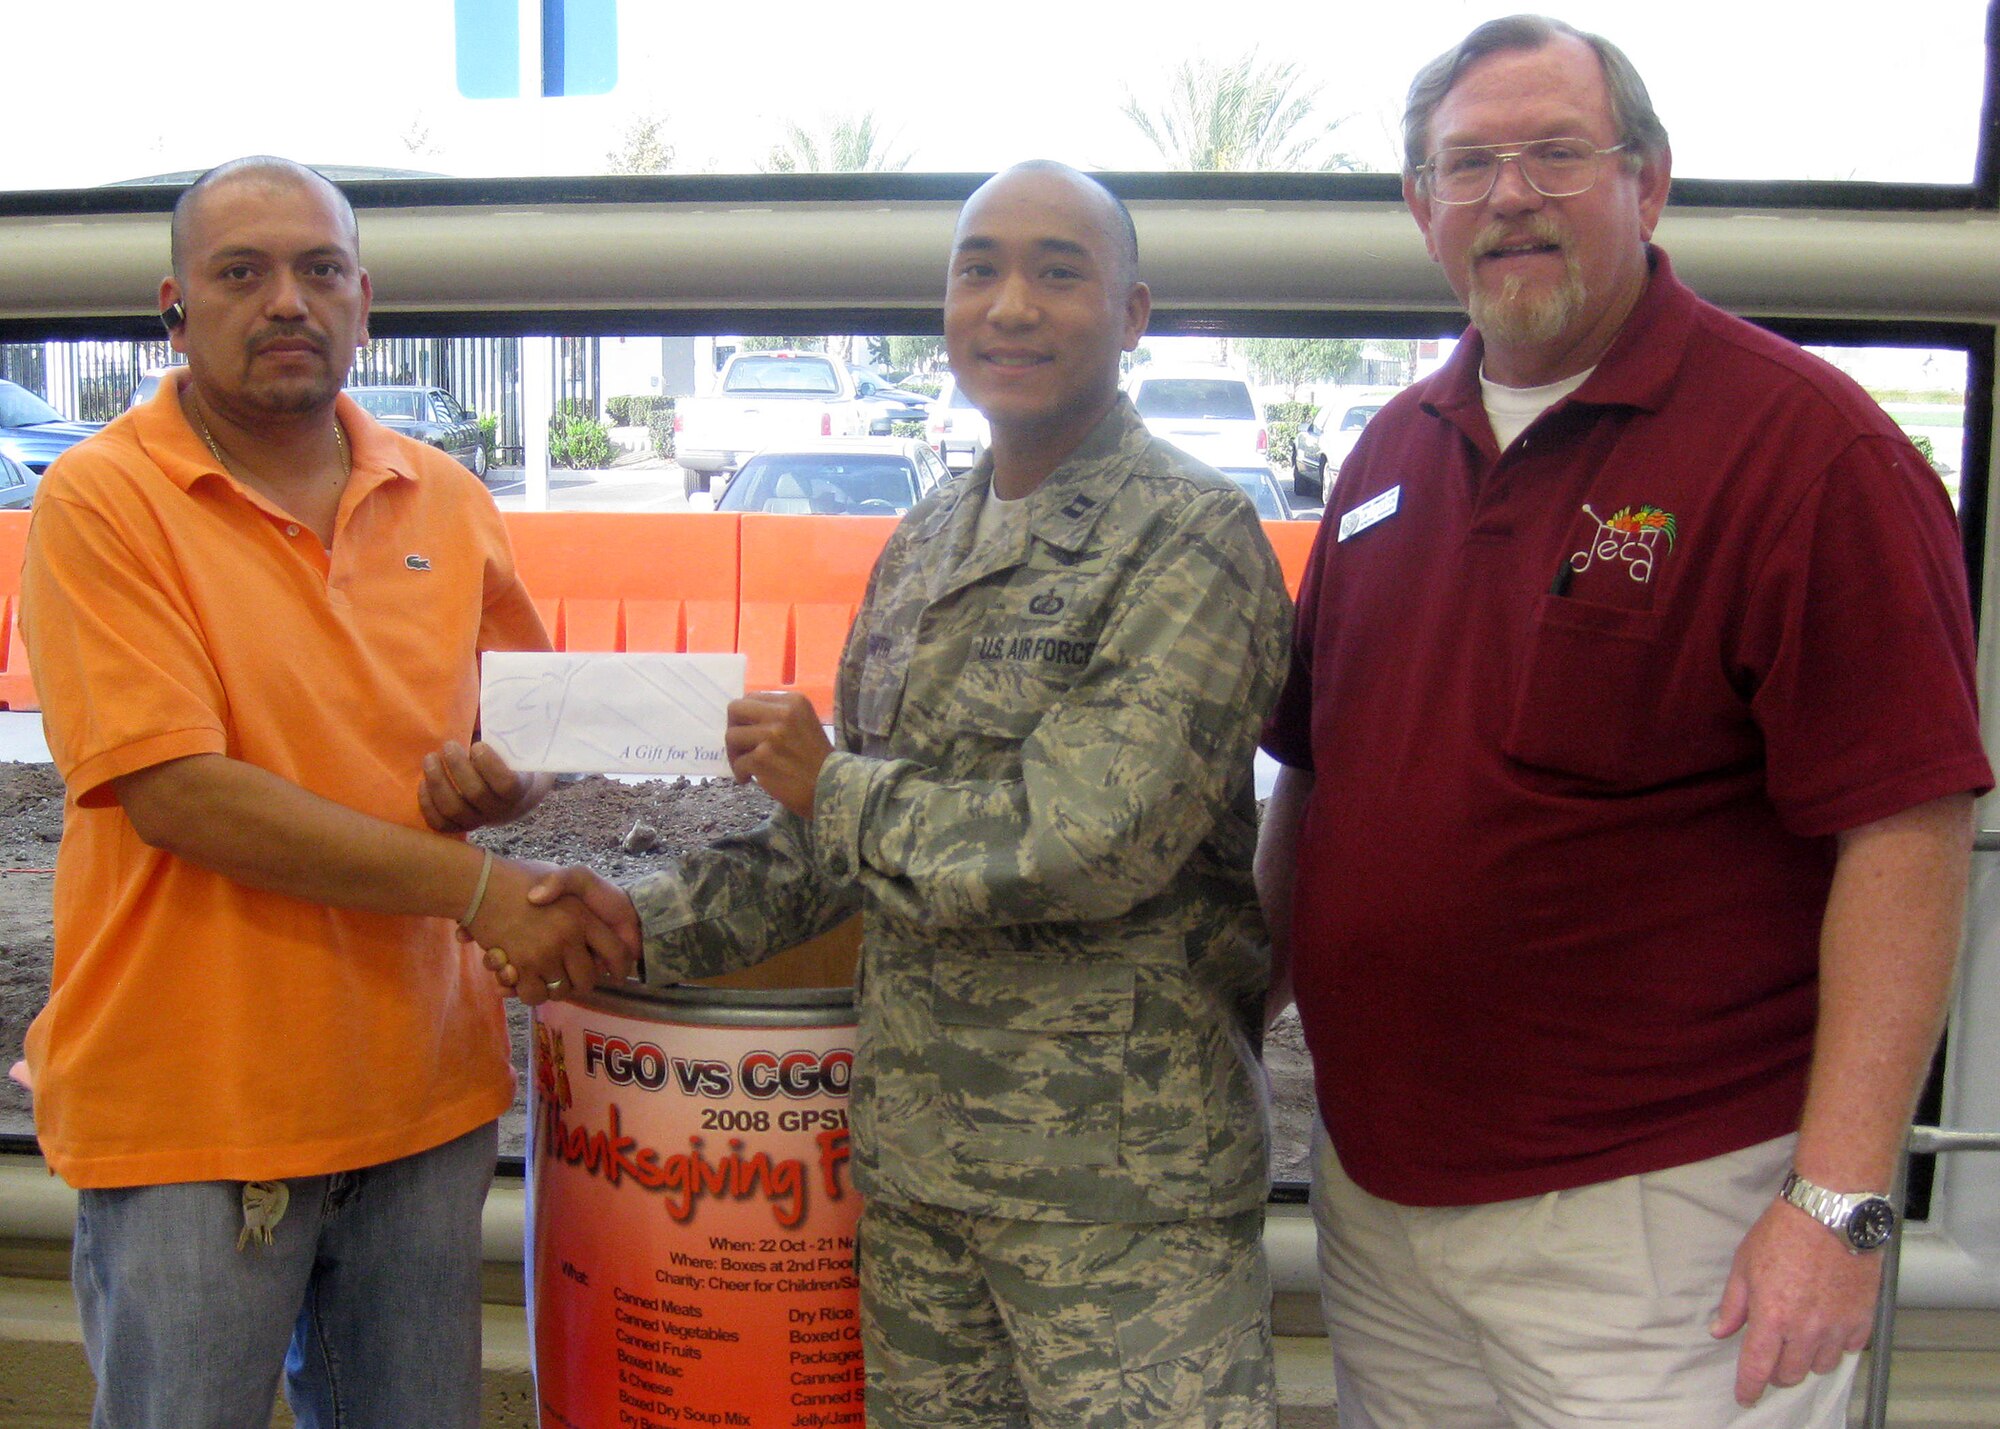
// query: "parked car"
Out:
[957,430]
[1323,443]
[836,476]
[1263,490]
[886,404]
[32,432]
[17,485]
[1199,408]
[148,385]
[432,416]
[763,398]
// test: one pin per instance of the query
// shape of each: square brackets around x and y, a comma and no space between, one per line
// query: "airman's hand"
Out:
[777,740]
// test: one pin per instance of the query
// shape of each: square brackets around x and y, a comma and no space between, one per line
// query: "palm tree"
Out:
[1247,114]
[643,149]
[849,145]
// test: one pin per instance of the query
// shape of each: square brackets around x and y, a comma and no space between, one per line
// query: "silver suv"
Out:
[1206,410]
[957,430]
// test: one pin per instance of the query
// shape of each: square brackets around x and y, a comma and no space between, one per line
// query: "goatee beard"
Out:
[1507,315]
[1516,319]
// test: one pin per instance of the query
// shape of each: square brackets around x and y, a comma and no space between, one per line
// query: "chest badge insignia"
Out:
[1046,604]
[417,563]
[1631,534]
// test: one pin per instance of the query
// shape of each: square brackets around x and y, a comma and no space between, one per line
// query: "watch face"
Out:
[1872,1223]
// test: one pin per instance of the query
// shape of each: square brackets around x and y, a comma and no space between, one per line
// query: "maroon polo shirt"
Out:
[1583,720]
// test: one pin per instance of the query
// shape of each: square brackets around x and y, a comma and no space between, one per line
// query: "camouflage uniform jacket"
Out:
[1041,799]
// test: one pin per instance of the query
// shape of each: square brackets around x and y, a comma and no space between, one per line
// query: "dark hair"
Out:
[281,170]
[1632,110]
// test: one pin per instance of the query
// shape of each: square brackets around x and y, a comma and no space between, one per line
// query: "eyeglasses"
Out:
[1554,168]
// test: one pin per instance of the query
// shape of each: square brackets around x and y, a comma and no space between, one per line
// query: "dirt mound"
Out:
[623,830]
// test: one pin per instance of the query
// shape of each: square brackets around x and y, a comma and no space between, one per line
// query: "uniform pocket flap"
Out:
[1034,994]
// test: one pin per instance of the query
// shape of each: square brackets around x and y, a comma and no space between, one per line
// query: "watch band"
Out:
[1864,1220]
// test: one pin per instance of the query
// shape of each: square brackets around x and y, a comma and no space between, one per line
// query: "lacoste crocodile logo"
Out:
[417,563]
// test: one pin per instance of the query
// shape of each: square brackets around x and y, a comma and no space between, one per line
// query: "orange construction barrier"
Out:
[781,589]
[1293,541]
[17,686]
[803,579]
[630,580]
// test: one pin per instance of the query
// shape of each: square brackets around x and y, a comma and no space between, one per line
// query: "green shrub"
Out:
[1926,448]
[489,436]
[1283,432]
[907,429]
[660,427]
[928,383]
[634,411]
[1293,412]
[577,440]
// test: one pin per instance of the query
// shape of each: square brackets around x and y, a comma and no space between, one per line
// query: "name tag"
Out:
[1374,509]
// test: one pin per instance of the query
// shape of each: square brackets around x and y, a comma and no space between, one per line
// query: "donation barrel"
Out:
[690,1216]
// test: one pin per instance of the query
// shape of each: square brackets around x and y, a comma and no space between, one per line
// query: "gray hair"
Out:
[1639,126]
[272,170]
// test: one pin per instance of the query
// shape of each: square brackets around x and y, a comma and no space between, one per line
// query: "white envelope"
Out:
[581,713]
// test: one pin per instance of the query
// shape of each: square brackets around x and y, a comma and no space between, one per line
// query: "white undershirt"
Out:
[1512,409]
[998,517]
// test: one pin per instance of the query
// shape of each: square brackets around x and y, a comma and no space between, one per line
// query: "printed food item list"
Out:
[692,1224]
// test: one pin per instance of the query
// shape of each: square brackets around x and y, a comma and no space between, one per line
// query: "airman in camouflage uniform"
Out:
[1040,798]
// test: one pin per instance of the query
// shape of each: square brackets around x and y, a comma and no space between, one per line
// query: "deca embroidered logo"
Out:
[1632,535]
[417,563]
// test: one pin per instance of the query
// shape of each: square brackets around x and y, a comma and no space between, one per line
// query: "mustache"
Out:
[1537,227]
[276,333]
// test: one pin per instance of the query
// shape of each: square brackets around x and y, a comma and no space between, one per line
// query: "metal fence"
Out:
[94,381]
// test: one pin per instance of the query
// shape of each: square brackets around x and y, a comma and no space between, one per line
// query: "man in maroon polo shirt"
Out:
[1621,843]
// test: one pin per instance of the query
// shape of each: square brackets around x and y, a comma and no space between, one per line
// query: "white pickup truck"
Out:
[764,398]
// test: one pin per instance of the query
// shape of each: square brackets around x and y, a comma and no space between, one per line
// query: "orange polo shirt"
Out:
[198,1029]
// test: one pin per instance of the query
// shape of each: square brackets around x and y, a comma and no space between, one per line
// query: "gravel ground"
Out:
[621,829]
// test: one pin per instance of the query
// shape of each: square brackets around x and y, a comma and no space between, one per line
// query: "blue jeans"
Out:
[367,1298]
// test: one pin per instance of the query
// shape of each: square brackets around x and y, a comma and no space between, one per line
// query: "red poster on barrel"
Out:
[690,1216]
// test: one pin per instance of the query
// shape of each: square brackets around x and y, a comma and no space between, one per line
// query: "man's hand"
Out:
[550,949]
[777,740]
[611,904]
[1805,1298]
[466,789]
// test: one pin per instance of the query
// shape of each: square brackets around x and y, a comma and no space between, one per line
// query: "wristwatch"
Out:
[1863,1220]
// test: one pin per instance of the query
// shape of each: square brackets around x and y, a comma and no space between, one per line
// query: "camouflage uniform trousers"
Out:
[978,1320]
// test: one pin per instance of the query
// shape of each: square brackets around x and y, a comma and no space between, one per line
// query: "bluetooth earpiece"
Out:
[175,315]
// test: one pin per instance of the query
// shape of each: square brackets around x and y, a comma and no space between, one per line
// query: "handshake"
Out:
[548,931]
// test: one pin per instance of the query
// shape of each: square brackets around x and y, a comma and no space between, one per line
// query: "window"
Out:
[390,403]
[471,88]
[1195,399]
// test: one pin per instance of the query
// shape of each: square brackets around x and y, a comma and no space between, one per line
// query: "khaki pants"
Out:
[972,1320]
[1576,1308]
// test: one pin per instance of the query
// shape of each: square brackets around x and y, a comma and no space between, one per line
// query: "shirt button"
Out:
[292,529]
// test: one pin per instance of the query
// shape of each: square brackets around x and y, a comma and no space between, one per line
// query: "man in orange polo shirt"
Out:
[268,1066]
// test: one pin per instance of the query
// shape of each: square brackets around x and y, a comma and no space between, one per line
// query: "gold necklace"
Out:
[339,440]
